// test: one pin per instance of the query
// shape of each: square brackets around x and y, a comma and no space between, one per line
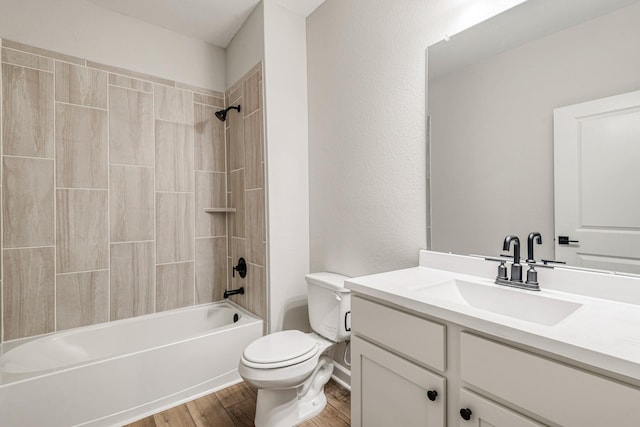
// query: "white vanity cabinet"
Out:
[387,389]
[398,356]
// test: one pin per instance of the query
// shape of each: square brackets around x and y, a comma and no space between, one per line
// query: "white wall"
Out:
[82,29]
[494,175]
[367,150]
[287,164]
[247,47]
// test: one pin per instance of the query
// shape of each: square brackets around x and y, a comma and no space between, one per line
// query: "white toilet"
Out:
[290,368]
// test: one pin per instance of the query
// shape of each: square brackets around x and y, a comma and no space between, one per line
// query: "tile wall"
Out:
[246,171]
[105,176]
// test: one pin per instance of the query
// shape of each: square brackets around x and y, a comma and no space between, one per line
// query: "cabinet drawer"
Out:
[413,336]
[557,392]
[487,413]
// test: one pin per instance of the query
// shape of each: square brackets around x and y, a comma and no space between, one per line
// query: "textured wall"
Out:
[367,127]
[105,177]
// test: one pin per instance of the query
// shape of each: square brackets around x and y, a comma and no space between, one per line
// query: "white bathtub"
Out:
[114,373]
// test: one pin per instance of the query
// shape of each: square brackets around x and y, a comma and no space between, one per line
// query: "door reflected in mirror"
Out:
[492,92]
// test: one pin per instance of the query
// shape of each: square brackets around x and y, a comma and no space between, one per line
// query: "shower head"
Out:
[222,114]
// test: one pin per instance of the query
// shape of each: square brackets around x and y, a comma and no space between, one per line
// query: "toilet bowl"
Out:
[291,368]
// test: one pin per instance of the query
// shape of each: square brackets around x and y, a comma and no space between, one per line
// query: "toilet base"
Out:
[289,407]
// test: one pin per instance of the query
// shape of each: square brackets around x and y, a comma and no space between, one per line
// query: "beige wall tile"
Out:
[82,230]
[255,295]
[209,139]
[174,286]
[174,157]
[174,225]
[132,279]
[129,73]
[80,85]
[129,83]
[215,101]
[27,105]
[238,202]
[254,151]
[200,90]
[211,269]
[238,250]
[82,299]
[21,58]
[42,52]
[173,105]
[210,193]
[255,226]
[29,281]
[27,202]
[251,94]
[131,138]
[131,202]
[235,132]
[81,147]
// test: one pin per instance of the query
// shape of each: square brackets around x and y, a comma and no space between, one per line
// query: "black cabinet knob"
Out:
[432,395]
[465,413]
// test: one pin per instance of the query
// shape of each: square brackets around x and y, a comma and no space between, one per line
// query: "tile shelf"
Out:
[220,210]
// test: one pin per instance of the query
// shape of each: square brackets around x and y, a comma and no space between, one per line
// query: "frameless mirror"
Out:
[492,93]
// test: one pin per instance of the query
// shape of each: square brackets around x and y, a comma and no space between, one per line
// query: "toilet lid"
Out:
[280,347]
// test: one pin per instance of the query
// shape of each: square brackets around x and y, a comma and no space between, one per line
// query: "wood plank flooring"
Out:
[235,406]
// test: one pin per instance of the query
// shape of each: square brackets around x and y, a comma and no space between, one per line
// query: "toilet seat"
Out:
[280,349]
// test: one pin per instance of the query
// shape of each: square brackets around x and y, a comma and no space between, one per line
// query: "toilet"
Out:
[291,368]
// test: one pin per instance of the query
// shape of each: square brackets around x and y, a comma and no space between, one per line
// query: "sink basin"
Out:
[516,303]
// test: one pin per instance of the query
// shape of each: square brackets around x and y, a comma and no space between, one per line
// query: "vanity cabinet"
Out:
[392,390]
[399,356]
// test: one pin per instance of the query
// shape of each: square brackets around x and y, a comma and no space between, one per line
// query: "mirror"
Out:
[492,92]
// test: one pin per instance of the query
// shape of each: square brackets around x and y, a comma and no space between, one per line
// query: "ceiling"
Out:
[214,21]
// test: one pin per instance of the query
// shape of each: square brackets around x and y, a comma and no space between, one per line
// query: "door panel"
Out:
[597,172]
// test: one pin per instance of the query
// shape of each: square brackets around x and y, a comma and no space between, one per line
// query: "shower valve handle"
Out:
[241,268]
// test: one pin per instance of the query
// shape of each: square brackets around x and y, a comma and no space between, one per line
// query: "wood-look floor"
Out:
[235,406]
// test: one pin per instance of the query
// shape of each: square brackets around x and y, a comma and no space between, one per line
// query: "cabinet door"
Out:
[482,413]
[390,391]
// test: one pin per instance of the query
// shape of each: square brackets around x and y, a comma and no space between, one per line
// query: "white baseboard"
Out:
[342,376]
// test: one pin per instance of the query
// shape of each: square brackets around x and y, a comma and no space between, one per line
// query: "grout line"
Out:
[131,166]
[108,201]
[55,209]
[83,106]
[131,241]
[193,178]
[81,272]
[174,192]
[28,247]
[210,237]
[30,157]
[84,189]
[176,262]
[155,203]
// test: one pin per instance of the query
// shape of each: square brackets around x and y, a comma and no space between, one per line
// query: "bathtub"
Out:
[117,372]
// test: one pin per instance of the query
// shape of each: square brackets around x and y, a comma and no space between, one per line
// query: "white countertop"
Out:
[603,333]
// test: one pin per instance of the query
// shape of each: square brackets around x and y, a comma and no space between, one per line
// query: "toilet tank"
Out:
[329,305]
